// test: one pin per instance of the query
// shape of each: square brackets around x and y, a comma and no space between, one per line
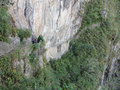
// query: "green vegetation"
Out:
[33,59]
[40,39]
[80,68]
[114,19]
[5,26]
[84,61]
[7,29]
[93,13]
[39,43]
[24,34]
[36,47]
[8,74]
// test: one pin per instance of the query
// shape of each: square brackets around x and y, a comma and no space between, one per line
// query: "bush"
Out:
[92,13]
[24,34]
[33,59]
[39,43]
[9,75]
[5,26]
[40,39]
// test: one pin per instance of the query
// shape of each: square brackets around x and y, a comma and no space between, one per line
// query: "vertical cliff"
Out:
[56,20]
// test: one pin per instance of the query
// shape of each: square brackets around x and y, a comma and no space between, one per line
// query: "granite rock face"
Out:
[56,20]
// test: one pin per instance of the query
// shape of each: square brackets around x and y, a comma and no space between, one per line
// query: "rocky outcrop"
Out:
[6,48]
[111,73]
[56,20]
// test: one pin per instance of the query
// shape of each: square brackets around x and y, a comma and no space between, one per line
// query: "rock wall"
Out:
[56,20]
[111,73]
[113,69]
[6,48]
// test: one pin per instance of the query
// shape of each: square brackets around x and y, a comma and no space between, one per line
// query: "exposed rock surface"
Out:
[111,74]
[8,47]
[56,20]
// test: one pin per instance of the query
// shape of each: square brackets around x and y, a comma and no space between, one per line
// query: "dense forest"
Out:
[81,67]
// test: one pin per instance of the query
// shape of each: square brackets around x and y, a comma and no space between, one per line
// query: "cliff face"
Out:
[56,20]
[111,73]
[94,50]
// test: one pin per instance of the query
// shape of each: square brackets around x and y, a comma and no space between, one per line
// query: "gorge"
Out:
[60,45]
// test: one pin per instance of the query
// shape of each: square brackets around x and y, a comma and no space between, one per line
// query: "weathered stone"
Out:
[56,20]
[6,48]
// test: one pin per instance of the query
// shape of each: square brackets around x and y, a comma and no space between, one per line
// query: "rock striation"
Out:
[56,20]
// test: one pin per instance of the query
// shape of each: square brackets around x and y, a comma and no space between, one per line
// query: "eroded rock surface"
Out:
[6,48]
[56,20]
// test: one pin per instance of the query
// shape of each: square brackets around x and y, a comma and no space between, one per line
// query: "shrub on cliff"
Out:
[5,26]
[38,43]
[40,39]
[24,34]
[9,75]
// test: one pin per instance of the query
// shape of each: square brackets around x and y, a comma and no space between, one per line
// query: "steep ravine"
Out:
[79,46]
